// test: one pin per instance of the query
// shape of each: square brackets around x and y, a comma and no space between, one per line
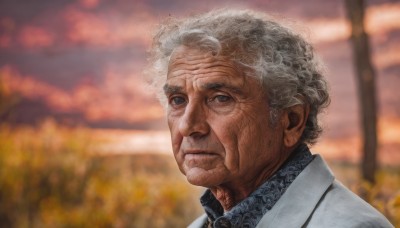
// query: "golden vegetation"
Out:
[50,176]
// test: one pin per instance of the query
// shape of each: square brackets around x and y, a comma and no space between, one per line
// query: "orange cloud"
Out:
[26,86]
[118,98]
[345,149]
[383,18]
[390,56]
[132,141]
[329,30]
[389,130]
[379,20]
[87,28]
[33,36]
[349,148]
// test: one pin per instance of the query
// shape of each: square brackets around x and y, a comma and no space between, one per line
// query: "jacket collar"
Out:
[297,204]
[249,211]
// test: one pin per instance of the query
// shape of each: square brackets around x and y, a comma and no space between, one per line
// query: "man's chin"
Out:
[203,178]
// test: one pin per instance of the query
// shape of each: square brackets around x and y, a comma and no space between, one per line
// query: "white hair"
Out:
[282,60]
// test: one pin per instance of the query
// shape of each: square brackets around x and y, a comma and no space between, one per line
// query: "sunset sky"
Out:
[82,61]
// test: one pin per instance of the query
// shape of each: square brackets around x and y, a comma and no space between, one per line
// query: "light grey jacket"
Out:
[316,199]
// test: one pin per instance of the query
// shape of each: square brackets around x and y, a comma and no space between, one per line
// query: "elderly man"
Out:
[243,94]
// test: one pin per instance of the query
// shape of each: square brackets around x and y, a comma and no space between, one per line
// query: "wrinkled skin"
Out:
[221,133]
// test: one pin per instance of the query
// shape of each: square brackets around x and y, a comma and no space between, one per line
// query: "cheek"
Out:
[253,137]
[176,141]
[227,132]
[176,138]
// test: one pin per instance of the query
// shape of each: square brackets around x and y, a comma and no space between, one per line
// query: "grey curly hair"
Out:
[282,60]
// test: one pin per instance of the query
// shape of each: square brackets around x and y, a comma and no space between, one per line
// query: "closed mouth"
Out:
[199,153]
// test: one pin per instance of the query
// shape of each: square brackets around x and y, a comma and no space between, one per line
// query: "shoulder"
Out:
[316,199]
[339,207]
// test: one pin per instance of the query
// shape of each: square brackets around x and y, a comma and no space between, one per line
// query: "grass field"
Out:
[53,176]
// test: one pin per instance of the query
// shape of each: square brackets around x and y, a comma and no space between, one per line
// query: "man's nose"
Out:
[194,121]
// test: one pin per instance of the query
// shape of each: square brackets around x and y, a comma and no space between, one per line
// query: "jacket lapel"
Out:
[199,222]
[298,202]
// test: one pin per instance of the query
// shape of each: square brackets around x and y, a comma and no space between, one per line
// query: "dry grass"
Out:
[52,176]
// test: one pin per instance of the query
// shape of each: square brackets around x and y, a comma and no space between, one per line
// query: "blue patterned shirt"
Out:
[249,212]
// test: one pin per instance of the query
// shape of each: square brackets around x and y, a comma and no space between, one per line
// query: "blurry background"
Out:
[83,142]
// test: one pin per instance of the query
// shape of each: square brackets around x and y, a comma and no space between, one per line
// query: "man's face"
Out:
[219,121]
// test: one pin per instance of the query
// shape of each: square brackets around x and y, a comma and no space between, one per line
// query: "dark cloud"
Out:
[65,67]
[25,11]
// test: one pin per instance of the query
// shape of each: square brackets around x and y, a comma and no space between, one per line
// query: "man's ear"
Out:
[294,121]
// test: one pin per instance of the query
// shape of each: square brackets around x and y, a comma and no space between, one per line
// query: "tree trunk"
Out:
[366,86]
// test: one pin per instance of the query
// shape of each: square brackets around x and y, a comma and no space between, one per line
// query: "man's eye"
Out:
[177,100]
[222,98]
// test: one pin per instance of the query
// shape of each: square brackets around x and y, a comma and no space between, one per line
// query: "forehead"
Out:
[192,64]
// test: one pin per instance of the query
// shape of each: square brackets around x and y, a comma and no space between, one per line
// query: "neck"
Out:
[230,194]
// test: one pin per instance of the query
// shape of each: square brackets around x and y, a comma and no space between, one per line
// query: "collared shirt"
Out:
[249,212]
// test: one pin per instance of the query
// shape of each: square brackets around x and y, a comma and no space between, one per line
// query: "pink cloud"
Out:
[117,98]
[89,4]
[108,29]
[7,27]
[33,36]
[26,86]
[86,28]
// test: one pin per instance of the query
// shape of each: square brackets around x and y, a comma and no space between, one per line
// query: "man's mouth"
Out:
[189,154]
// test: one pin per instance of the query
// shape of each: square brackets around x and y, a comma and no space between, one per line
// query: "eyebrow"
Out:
[215,85]
[219,85]
[168,89]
